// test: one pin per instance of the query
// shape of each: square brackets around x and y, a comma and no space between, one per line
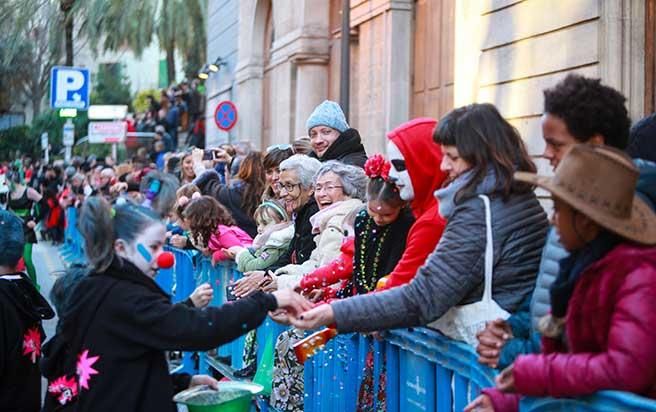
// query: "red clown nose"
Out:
[165,260]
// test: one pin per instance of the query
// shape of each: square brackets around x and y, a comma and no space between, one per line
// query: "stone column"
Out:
[398,76]
[311,89]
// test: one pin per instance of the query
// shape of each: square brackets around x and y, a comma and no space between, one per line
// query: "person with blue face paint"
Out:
[111,338]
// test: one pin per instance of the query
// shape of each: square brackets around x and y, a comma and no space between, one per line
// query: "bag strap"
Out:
[489,250]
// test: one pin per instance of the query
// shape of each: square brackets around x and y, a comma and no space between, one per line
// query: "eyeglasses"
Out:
[288,187]
[281,147]
[327,188]
[399,165]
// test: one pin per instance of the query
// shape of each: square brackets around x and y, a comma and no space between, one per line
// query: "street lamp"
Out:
[214,67]
[203,74]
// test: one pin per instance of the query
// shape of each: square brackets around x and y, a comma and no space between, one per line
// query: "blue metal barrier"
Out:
[424,370]
[72,251]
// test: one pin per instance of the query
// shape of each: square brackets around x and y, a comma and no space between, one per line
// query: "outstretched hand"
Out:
[322,315]
[291,302]
[249,284]
[481,404]
[506,380]
[198,380]
[202,295]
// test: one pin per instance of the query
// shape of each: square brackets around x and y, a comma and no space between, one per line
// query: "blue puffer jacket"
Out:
[646,186]
[524,322]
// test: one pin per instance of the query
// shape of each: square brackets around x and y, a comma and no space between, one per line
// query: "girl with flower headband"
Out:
[376,243]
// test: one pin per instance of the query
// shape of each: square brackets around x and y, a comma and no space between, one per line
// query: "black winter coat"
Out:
[347,149]
[302,244]
[229,196]
[124,323]
[22,309]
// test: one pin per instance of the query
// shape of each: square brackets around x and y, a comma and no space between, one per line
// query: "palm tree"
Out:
[66,7]
[178,24]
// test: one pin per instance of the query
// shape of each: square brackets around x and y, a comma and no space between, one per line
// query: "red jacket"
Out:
[611,330]
[422,158]
[340,268]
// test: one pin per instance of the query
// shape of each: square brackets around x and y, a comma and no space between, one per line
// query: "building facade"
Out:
[413,58]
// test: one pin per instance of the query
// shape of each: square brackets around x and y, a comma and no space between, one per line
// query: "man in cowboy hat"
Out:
[21,312]
[576,110]
[604,298]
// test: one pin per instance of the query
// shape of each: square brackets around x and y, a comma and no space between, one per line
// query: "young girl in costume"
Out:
[380,236]
[111,342]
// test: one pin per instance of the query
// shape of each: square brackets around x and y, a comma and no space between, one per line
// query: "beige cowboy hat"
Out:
[600,182]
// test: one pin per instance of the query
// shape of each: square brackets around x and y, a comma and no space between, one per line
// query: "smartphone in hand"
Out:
[209,154]
[230,296]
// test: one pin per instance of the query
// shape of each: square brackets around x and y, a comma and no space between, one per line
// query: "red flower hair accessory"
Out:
[377,166]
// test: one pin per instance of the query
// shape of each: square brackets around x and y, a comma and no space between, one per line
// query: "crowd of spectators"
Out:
[444,229]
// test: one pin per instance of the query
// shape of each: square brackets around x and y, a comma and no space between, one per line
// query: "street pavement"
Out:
[48,265]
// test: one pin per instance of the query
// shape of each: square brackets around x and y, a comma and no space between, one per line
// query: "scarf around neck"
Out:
[573,266]
[446,196]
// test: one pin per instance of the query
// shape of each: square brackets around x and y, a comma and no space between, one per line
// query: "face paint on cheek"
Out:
[144,252]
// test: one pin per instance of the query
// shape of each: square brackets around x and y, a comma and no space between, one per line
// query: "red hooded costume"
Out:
[422,158]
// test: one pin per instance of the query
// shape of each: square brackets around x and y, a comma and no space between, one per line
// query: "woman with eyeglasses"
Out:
[296,189]
[332,138]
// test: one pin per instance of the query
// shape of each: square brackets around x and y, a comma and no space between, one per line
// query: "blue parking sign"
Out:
[69,87]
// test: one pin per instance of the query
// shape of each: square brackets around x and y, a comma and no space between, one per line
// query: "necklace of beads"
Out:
[362,252]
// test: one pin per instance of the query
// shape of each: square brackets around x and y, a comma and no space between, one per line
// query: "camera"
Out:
[209,154]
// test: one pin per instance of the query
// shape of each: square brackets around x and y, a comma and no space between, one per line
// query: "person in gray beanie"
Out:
[21,313]
[332,138]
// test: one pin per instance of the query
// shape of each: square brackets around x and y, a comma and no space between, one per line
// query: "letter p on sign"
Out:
[69,88]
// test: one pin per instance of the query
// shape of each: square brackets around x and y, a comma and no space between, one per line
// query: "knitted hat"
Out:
[12,239]
[328,114]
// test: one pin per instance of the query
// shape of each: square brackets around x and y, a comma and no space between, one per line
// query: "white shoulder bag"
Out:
[463,322]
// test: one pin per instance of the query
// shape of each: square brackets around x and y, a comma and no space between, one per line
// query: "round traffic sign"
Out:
[225,115]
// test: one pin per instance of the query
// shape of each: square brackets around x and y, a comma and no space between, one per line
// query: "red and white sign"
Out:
[107,132]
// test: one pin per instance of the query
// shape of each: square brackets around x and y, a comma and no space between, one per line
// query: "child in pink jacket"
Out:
[212,228]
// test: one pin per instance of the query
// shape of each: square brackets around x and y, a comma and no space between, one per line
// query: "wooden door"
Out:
[650,56]
[433,73]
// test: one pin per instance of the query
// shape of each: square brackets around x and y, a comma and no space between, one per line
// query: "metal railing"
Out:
[419,369]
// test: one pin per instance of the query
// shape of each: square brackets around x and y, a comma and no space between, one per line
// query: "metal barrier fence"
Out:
[419,369]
